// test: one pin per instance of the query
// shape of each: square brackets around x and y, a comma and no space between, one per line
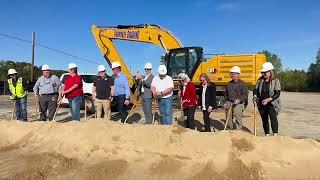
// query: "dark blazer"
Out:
[147,87]
[210,96]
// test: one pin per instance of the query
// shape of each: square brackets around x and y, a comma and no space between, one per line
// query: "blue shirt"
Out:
[47,85]
[121,85]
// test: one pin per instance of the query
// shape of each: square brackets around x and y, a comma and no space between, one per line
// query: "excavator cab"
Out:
[185,60]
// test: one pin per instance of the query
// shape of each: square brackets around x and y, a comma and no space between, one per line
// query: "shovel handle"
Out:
[13,109]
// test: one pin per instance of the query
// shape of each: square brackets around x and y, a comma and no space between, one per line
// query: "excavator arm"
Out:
[146,33]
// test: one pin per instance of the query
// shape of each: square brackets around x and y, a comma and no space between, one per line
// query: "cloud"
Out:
[228,7]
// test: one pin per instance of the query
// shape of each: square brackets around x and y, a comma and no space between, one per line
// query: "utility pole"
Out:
[32,61]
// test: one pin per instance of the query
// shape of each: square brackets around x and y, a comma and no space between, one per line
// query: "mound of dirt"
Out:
[100,150]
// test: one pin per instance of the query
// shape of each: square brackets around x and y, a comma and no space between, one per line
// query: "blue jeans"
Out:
[75,104]
[165,108]
[147,109]
[21,109]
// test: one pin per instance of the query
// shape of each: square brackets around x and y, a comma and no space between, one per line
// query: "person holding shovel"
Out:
[236,95]
[189,99]
[121,97]
[207,100]
[162,89]
[267,96]
[72,89]
[102,93]
[18,91]
[46,91]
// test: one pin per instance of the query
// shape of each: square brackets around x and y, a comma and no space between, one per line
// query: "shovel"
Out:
[228,117]
[154,110]
[55,113]
[37,113]
[13,109]
[131,111]
[254,118]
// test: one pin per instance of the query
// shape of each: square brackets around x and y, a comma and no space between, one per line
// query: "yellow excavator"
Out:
[190,60]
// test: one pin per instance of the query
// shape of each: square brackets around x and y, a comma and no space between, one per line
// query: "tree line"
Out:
[296,80]
[291,80]
[23,69]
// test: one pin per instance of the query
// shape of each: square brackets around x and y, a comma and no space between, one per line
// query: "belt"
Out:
[49,94]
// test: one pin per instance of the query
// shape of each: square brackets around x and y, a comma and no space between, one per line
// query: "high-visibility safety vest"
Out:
[17,90]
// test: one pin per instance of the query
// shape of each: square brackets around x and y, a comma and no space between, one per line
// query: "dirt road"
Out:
[97,149]
[299,117]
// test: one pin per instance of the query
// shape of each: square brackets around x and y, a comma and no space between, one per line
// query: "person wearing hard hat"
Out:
[144,87]
[267,96]
[72,89]
[188,99]
[162,89]
[121,90]
[18,91]
[236,95]
[46,91]
[102,93]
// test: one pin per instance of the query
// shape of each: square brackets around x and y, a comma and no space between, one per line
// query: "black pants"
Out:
[119,102]
[266,112]
[206,119]
[48,103]
[189,112]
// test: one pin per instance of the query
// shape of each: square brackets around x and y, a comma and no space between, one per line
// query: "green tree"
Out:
[294,80]
[274,59]
[23,70]
[314,73]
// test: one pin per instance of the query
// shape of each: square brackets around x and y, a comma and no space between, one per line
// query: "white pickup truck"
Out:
[87,83]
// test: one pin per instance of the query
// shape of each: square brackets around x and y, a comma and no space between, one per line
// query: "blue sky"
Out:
[291,29]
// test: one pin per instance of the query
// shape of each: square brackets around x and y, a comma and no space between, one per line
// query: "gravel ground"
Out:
[300,115]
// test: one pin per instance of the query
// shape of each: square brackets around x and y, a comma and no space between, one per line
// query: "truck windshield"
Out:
[182,60]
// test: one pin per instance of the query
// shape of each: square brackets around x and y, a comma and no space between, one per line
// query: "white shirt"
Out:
[145,78]
[204,97]
[162,84]
[184,88]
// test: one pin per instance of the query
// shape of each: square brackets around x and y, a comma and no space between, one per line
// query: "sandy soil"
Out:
[96,149]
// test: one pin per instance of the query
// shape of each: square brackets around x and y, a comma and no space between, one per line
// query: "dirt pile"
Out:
[99,150]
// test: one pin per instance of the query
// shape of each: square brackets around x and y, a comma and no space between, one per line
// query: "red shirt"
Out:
[189,95]
[69,82]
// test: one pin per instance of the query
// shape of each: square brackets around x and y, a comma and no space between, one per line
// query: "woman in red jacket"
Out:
[188,98]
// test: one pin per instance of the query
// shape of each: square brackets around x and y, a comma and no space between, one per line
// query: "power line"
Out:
[52,49]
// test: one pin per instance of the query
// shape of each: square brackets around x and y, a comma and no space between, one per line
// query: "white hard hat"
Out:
[72,65]
[235,69]
[12,71]
[182,76]
[115,64]
[45,67]
[101,68]
[148,66]
[162,69]
[267,66]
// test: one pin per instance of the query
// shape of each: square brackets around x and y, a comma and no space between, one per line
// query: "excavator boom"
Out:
[104,36]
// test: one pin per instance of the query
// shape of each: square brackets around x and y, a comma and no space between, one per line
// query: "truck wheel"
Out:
[90,104]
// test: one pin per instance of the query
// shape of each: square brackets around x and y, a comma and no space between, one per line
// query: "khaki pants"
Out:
[237,113]
[105,105]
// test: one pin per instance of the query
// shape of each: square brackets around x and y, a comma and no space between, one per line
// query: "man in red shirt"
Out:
[72,89]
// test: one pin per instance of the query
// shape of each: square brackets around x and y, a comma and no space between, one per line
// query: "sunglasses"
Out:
[147,69]
[264,72]
[101,71]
